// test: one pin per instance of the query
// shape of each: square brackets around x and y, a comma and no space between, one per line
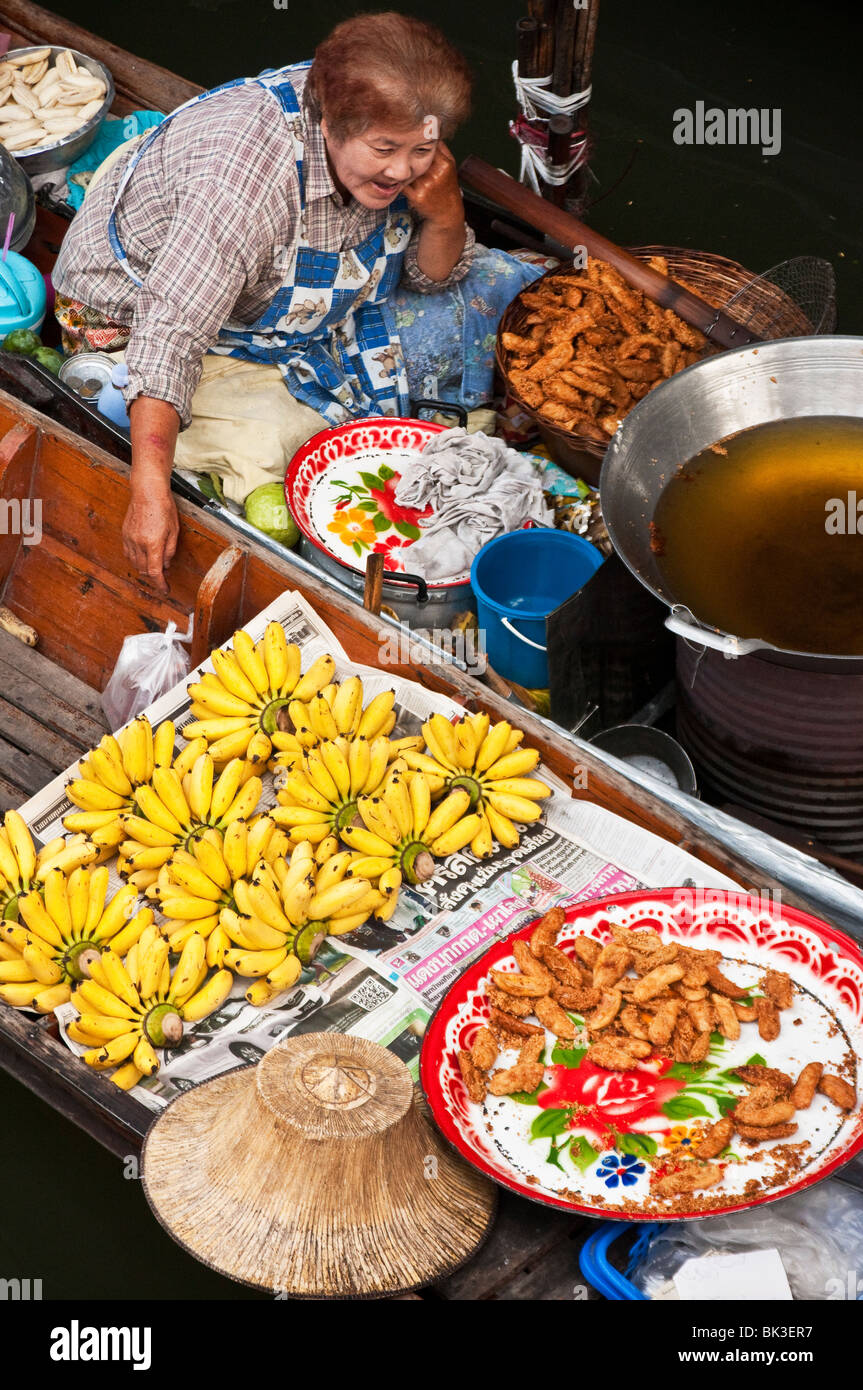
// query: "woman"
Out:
[303,230]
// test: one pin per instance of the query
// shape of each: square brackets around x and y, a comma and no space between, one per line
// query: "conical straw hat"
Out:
[315,1174]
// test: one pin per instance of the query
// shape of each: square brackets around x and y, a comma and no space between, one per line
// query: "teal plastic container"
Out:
[22,295]
[518,580]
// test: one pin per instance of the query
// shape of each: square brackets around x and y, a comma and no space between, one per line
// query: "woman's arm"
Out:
[436,197]
[151,525]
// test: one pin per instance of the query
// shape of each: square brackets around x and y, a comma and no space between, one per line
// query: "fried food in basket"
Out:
[595,348]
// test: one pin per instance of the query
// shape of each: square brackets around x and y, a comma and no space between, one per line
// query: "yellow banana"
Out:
[376,714]
[276,657]
[447,813]
[250,662]
[516,808]
[457,836]
[112,1052]
[47,1000]
[516,764]
[319,674]
[347,706]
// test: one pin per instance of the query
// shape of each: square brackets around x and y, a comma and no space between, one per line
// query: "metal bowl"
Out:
[63,152]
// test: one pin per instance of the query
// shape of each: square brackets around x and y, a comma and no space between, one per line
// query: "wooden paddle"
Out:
[508,193]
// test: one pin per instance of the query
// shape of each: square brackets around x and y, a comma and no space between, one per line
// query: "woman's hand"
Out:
[435,196]
[151,526]
[150,531]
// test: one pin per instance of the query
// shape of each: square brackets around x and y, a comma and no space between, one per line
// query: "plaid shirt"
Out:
[209,221]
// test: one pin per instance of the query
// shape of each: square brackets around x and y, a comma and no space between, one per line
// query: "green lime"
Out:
[22,340]
[267,510]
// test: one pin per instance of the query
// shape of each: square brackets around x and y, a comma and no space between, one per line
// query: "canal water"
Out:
[75,1216]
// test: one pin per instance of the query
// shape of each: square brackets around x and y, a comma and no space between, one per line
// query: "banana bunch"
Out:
[21,868]
[401,831]
[194,885]
[173,812]
[285,911]
[336,714]
[318,795]
[128,1009]
[488,764]
[240,707]
[66,927]
[104,790]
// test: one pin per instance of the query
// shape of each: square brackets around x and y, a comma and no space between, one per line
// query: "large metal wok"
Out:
[721,395]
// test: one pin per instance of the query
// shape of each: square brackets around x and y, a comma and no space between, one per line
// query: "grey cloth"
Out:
[478,489]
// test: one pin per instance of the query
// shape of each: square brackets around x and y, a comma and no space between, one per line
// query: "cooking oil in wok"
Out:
[759,536]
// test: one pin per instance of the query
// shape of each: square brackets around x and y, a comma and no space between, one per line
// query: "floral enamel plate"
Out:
[340,487]
[598,1141]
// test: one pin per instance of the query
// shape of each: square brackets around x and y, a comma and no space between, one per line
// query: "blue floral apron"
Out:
[341,357]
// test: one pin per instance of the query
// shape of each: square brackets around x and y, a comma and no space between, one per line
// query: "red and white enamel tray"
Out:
[588,1140]
[340,488]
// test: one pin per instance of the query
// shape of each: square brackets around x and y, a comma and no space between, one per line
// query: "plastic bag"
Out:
[818,1233]
[149,665]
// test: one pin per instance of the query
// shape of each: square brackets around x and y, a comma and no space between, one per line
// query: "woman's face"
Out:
[375,166]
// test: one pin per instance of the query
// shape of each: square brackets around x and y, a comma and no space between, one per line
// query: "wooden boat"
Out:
[78,592]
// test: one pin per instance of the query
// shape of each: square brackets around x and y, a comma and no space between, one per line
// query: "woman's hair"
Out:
[388,70]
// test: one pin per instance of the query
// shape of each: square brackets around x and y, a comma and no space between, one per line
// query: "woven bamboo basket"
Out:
[770,313]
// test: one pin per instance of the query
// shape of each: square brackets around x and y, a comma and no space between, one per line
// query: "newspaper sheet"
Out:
[383,981]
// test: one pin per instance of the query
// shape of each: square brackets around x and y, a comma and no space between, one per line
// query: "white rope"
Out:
[533,96]
[534,166]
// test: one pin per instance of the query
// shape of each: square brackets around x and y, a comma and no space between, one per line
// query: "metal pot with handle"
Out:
[781,380]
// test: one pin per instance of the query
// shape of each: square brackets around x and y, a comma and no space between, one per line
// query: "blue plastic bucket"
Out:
[518,580]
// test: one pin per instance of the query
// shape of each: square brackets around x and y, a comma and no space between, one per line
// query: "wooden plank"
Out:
[25,770]
[555,1276]
[218,604]
[523,1232]
[140,83]
[17,460]
[43,1064]
[32,737]
[45,681]
[10,795]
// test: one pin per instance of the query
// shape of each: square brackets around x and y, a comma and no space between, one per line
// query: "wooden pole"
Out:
[508,193]
[544,11]
[527,41]
[559,132]
[582,70]
[564,48]
[374,584]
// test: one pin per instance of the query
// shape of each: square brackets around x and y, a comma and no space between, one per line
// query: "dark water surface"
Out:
[71,1218]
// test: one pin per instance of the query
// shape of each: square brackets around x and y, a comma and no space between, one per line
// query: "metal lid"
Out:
[87,372]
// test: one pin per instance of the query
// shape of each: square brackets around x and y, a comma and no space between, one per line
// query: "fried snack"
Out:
[639,942]
[524,1076]
[566,971]
[768,1019]
[692,1178]
[763,1110]
[514,1027]
[728,1023]
[473,1078]
[532,1049]
[587,950]
[656,981]
[522,986]
[483,1052]
[647,961]
[546,931]
[716,1139]
[663,1023]
[780,1082]
[606,1011]
[634,1022]
[612,962]
[778,987]
[806,1085]
[703,1015]
[683,1038]
[553,1017]
[744,1013]
[611,1056]
[721,985]
[508,1003]
[691,995]
[840,1092]
[528,963]
[700,1048]
[575,997]
[757,1134]
[618,343]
